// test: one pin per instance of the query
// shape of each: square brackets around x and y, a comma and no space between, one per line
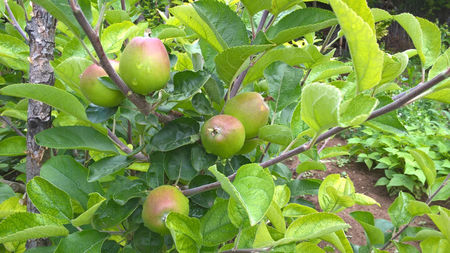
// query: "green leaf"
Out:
[290,55]
[296,210]
[177,164]
[374,234]
[308,247]
[69,71]
[275,216]
[279,6]
[13,146]
[187,83]
[94,202]
[278,134]
[362,199]
[110,213]
[405,248]
[232,61]
[75,137]
[434,244]
[49,199]
[167,31]
[107,166]
[70,176]
[329,152]
[177,133]
[262,236]
[388,122]
[343,187]
[380,15]
[82,241]
[442,221]
[310,165]
[189,17]
[314,225]
[284,84]
[254,7]
[398,210]
[361,38]
[393,66]
[426,164]
[357,110]
[444,193]
[122,189]
[402,180]
[320,106]
[216,226]
[50,95]
[14,53]
[116,16]
[304,187]
[5,192]
[425,35]
[282,195]
[185,231]
[10,206]
[300,22]
[441,95]
[256,197]
[224,21]
[326,70]
[418,208]
[114,35]
[23,226]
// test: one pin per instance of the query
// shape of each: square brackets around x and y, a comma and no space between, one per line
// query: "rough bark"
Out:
[41,32]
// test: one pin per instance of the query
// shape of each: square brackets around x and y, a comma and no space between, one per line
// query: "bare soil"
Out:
[364,182]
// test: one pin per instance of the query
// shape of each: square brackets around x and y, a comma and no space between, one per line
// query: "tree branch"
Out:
[10,124]
[15,23]
[385,109]
[136,99]
[125,148]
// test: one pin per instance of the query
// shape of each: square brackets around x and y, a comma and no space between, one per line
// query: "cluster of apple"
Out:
[234,131]
[144,66]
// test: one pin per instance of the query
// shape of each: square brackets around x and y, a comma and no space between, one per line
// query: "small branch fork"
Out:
[404,99]
[136,99]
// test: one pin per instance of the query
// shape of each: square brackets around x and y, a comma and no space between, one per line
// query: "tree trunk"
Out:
[41,31]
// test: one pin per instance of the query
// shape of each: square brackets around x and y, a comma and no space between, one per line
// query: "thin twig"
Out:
[262,21]
[125,148]
[388,108]
[14,22]
[323,145]
[264,153]
[122,5]
[11,125]
[136,99]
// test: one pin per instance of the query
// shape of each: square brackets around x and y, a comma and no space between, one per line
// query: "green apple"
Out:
[250,109]
[222,135]
[95,91]
[145,65]
[159,202]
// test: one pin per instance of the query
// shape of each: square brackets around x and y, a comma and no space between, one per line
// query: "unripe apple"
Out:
[160,201]
[95,91]
[250,109]
[145,65]
[223,135]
